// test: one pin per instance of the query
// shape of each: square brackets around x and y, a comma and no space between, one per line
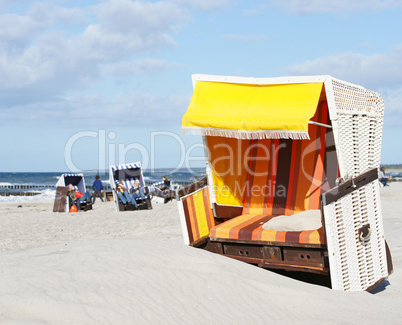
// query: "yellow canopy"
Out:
[250,111]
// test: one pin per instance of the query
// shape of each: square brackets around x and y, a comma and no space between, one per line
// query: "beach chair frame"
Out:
[352,249]
[128,173]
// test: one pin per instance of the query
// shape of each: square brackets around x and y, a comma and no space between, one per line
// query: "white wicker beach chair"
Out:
[321,139]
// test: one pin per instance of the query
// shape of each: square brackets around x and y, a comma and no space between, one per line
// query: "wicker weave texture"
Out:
[356,264]
[360,115]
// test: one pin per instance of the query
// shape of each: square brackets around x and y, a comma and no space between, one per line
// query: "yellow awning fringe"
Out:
[238,134]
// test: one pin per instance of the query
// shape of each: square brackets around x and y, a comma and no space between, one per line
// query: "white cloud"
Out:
[54,15]
[125,109]
[205,5]
[17,31]
[139,67]
[339,6]
[41,57]
[381,72]
[139,17]
[375,71]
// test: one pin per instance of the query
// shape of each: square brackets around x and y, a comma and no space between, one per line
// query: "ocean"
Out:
[43,184]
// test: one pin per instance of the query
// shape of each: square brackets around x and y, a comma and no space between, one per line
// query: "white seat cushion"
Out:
[302,221]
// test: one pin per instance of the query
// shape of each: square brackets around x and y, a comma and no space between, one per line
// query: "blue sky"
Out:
[86,84]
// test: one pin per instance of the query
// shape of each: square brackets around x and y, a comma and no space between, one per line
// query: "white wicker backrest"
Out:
[357,120]
[357,116]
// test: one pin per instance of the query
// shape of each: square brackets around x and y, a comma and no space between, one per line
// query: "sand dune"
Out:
[103,267]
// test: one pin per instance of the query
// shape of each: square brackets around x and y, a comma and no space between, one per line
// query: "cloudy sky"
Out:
[85,84]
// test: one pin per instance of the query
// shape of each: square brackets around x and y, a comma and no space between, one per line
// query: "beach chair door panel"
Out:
[196,216]
[60,199]
[355,234]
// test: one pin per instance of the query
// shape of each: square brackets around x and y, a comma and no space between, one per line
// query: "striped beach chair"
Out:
[61,203]
[128,174]
[164,196]
[279,151]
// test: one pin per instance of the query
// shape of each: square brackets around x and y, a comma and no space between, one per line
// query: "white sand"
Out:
[103,267]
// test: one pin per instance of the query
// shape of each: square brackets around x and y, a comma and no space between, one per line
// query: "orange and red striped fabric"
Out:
[248,227]
[289,176]
[198,214]
[285,177]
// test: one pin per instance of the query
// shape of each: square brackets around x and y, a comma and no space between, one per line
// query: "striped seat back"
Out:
[288,176]
[196,215]
[128,183]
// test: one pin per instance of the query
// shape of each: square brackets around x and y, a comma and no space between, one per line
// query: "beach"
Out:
[105,267]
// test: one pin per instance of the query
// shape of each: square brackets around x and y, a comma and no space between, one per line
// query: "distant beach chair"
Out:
[129,174]
[165,195]
[292,180]
[62,203]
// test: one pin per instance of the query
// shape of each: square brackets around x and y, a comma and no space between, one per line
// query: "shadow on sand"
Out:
[322,280]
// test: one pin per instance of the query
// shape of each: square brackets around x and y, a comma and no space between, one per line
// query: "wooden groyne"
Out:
[19,193]
[25,187]
[31,190]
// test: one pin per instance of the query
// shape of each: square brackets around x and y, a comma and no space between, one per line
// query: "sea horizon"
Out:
[43,183]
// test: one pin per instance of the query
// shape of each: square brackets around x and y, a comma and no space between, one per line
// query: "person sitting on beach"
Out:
[97,186]
[138,191]
[166,184]
[124,196]
[77,197]
[382,178]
